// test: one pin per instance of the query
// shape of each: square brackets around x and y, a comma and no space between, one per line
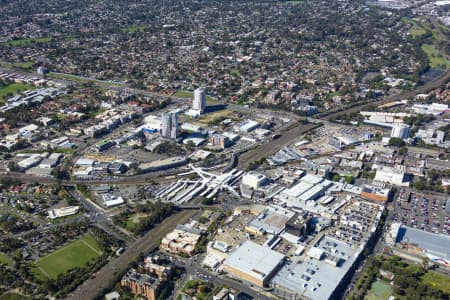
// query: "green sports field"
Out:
[76,254]
[380,291]
[437,60]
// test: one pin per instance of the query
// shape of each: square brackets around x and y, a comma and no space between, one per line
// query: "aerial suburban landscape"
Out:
[225,150]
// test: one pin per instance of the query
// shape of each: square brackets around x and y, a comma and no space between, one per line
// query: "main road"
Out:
[107,275]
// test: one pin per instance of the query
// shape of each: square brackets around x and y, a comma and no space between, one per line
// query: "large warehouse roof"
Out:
[254,260]
[436,244]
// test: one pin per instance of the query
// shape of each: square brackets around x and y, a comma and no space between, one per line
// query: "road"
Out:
[99,216]
[107,275]
[159,177]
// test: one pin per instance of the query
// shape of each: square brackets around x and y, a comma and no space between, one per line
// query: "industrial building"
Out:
[400,130]
[248,126]
[410,241]
[254,263]
[434,108]
[308,188]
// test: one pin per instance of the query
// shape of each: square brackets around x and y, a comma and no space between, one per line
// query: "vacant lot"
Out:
[214,117]
[190,95]
[76,254]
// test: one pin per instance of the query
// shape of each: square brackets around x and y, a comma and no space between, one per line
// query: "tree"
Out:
[13,167]
[397,142]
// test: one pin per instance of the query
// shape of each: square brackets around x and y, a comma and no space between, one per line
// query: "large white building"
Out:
[400,130]
[199,103]
[391,176]
[434,108]
[254,180]
[62,212]
[254,263]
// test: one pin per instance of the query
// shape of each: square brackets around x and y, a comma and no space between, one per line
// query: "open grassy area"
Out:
[13,89]
[190,95]
[24,42]
[214,117]
[437,280]
[65,150]
[416,29]
[437,60]
[76,254]
[200,289]
[134,220]
[380,290]
[13,296]
[5,260]
[420,27]
[83,80]
[133,29]
[18,65]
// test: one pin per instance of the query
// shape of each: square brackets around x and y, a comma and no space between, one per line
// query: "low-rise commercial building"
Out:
[254,263]
[163,164]
[63,212]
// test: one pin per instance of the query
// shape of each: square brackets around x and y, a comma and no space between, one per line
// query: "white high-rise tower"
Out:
[199,103]
[169,125]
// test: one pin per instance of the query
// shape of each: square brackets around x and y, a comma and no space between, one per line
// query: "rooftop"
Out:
[255,260]
[434,244]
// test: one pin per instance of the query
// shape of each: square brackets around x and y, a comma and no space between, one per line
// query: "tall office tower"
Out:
[400,130]
[169,125]
[174,126]
[199,103]
[165,125]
